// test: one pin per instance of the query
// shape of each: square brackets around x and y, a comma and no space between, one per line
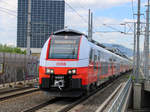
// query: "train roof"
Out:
[69,32]
[109,50]
[72,32]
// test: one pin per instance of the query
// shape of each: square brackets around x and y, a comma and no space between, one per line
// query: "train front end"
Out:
[61,71]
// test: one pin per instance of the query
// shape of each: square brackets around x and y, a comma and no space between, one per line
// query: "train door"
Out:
[111,65]
[120,66]
[115,66]
[104,66]
[99,66]
[95,63]
[91,65]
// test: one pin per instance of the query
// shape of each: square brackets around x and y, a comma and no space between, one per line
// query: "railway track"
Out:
[70,103]
[15,93]
[9,90]
[100,89]
[37,107]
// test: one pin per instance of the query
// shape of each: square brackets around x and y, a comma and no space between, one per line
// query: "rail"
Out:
[118,103]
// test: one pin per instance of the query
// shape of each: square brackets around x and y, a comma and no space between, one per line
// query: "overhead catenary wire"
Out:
[80,5]
[8,13]
[13,11]
[85,20]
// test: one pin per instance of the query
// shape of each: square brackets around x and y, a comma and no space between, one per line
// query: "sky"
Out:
[112,13]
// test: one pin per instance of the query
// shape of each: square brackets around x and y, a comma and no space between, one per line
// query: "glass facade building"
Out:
[47,16]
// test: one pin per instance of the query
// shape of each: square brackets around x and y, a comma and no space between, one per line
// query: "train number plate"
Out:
[59,77]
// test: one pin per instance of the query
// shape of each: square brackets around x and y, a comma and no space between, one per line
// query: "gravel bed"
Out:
[24,102]
[54,107]
[92,103]
[58,106]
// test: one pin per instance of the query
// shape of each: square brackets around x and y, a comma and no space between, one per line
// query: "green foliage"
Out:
[133,77]
[5,48]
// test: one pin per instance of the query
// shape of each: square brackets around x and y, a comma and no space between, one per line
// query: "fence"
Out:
[17,67]
[118,103]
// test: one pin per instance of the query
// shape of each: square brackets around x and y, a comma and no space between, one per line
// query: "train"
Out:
[71,65]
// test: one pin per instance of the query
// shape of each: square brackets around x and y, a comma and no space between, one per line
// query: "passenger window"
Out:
[91,55]
[110,59]
[95,58]
[98,58]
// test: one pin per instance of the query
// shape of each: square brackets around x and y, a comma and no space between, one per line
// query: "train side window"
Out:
[98,55]
[110,59]
[104,68]
[95,58]
[91,55]
[98,58]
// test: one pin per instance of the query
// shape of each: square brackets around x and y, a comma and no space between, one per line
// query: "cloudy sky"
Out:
[109,12]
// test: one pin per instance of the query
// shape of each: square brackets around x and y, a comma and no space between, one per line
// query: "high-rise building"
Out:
[47,16]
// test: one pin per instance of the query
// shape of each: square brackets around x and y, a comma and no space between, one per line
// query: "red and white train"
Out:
[71,65]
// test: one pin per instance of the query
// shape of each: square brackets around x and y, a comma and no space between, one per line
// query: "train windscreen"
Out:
[64,47]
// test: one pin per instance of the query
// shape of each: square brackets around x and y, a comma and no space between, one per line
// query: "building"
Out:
[47,16]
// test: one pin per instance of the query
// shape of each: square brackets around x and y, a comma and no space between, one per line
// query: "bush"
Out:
[8,49]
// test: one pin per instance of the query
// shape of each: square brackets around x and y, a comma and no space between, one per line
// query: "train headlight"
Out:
[69,71]
[74,71]
[49,71]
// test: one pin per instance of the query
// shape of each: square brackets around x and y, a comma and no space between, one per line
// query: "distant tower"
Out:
[47,16]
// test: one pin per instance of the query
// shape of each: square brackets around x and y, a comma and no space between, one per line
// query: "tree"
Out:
[5,48]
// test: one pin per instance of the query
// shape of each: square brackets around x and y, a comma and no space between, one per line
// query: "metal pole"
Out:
[89,25]
[134,53]
[146,68]
[144,54]
[29,28]
[138,46]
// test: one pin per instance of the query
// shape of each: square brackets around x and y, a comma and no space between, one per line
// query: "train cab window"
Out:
[64,47]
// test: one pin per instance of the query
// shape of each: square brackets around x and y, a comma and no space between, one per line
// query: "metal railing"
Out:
[118,103]
[17,67]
